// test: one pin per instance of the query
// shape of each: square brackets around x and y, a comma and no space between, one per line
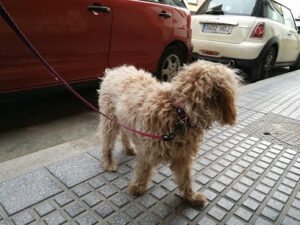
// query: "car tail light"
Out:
[259,31]
[189,20]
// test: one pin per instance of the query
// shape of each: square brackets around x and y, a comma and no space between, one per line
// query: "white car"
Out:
[255,35]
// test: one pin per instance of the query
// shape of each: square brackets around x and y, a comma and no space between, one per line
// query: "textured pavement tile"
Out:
[21,192]
[87,219]
[133,211]
[120,200]
[226,204]
[209,195]
[148,220]
[23,218]
[118,220]
[217,213]
[190,213]
[261,221]
[294,213]
[104,210]
[97,182]
[270,213]
[44,208]
[63,199]
[234,221]
[162,211]
[206,221]
[81,190]
[55,219]
[159,193]
[92,199]
[275,204]
[244,214]
[74,210]
[147,201]
[75,170]
[289,221]
[178,220]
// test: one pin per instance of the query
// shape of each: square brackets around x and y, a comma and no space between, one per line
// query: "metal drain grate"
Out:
[276,128]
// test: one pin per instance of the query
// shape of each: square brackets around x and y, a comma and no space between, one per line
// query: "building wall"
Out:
[194,4]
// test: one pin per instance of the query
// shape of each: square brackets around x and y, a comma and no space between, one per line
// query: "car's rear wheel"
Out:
[265,67]
[296,66]
[170,62]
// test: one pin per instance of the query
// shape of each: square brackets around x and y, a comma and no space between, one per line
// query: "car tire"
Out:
[265,66]
[296,66]
[169,63]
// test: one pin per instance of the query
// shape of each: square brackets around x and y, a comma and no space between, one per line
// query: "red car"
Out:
[81,38]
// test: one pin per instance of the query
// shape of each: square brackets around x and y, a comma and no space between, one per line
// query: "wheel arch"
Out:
[273,42]
[180,45]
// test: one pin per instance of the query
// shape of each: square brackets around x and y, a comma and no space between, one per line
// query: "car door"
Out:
[141,30]
[292,40]
[72,39]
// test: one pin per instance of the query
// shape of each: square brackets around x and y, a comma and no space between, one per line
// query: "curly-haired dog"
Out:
[205,91]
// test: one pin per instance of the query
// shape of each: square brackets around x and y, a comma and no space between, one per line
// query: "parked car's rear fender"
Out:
[274,41]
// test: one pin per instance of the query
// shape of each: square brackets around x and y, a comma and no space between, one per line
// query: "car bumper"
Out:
[242,54]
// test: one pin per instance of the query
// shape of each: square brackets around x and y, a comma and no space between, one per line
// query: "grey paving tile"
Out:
[280,196]
[81,190]
[294,213]
[275,204]
[251,204]
[270,213]
[120,200]
[289,221]
[190,213]
[63,199]
[162,210]
[217,213]
[234,221]
[108,190]
[206,221]
[74,210]
[147,201]
[225,204]
[87,219]
[244,214]
[96,182]
[159,192]
[148,220]
[133,211]
[234,195]
[55,219]
[121,183]
[209,195]
[257,196]
[44,208]
[104,210]
[118,220]
[178,220]
[21,192]
[75,170]
[260,221]
[92,199]
[23,218]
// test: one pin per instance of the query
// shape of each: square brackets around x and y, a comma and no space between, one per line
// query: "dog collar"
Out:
[182,122]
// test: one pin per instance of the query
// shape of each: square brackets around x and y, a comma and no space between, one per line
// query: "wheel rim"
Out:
[269,63]
[170,67]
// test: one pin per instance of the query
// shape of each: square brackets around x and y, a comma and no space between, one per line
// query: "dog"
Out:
[199,95]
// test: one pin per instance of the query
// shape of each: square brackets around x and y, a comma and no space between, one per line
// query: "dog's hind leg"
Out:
[142,174]
[183,172]
[127,147]
[109,131]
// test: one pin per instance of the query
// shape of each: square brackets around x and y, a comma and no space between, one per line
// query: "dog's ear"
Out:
[225,99]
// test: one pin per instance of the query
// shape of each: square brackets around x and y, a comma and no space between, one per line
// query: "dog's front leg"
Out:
[183,172]
[142,174]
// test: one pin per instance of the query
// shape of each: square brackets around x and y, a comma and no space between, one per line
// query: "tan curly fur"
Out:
[205,90]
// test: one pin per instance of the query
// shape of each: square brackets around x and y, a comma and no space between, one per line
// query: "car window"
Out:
[288,18]
[233,7]
[179,3]
[273,11]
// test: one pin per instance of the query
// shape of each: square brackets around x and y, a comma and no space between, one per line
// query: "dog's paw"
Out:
[130,151]
[198,199]
[136,189]
[110,166]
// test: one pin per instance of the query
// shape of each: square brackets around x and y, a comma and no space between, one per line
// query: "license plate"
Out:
[217,28]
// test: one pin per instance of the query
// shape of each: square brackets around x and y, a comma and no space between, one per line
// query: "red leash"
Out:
[22,36]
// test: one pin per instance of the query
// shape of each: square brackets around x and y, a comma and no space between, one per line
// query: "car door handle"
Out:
[165,14]
[98,8]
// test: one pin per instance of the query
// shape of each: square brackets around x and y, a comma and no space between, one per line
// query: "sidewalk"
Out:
[249,173]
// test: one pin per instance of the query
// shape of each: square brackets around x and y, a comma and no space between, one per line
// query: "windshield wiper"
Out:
[215,12]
